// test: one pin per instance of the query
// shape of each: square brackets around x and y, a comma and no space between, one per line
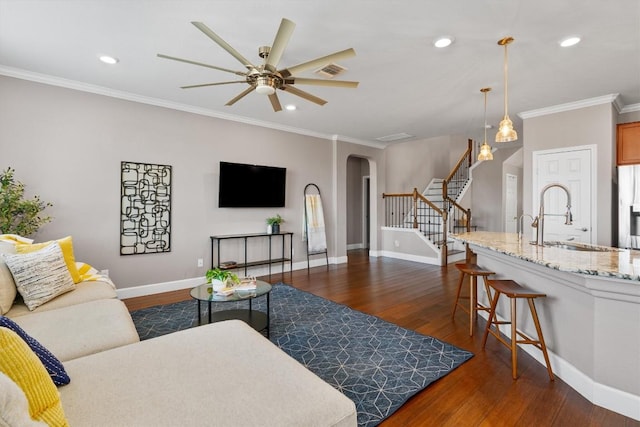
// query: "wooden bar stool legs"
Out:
[514,291]
[473,271]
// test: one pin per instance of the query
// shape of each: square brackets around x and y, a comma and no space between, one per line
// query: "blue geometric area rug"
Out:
[375,363]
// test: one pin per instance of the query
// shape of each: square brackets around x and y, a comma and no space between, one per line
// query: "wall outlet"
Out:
[105,272]
[200,262]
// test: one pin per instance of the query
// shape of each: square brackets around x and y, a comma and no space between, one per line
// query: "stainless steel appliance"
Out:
[629,206]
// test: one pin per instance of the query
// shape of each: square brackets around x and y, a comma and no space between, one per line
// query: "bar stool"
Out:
[473,271]
[514,291]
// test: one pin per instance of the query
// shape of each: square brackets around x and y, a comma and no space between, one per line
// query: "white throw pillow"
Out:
[40,276]
[14,408]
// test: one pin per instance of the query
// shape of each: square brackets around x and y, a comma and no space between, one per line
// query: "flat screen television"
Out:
[251,186]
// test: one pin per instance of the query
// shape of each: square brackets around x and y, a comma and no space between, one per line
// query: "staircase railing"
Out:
[413,210]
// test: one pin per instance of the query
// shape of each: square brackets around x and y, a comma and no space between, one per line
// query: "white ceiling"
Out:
[406,85]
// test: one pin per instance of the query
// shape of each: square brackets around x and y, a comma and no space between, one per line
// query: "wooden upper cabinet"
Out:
[628,146]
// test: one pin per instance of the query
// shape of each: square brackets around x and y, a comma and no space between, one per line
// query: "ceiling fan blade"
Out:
[212,84]
[275,102]
[241,95]
[318,62]
[223,44]
[321,82]
[303,94]
[279,44]
[188,61]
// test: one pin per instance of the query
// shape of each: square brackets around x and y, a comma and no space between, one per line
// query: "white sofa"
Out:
[222,374]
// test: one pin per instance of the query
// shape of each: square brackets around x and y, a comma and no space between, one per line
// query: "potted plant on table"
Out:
[273,224]
[221,279]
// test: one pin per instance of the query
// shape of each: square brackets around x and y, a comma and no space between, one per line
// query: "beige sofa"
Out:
[222,374]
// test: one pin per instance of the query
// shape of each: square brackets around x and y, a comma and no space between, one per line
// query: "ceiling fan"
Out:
[266,78]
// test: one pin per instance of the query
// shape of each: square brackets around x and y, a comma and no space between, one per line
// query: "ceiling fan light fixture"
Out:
[266,86]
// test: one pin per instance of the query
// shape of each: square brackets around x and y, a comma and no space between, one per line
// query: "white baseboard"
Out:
[409,257]
[353,246]
[158,288]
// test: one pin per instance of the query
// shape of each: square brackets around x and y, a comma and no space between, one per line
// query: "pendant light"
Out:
[485,149]
[506,133]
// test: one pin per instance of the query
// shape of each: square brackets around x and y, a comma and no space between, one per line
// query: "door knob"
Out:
[584,229]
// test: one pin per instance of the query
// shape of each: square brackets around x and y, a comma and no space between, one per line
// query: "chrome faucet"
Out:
[538,221]
[521,229]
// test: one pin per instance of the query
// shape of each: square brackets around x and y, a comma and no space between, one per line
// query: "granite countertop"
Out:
[603,261]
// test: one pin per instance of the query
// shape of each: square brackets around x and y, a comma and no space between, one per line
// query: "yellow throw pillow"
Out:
[19,363]
[66,244]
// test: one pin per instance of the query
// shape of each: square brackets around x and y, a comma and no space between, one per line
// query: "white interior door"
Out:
[511,204]
[573,167]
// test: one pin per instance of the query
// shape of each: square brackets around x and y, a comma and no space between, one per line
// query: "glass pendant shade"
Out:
[506,132]
[485,152]
[485,149]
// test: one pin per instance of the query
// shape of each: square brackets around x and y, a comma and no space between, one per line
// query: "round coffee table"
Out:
[256,319]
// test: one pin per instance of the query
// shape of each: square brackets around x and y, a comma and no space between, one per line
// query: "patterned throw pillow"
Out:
[51,363]
[66,244]
[23,367]
[40,276]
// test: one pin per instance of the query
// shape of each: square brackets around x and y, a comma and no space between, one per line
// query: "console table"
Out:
[279,237]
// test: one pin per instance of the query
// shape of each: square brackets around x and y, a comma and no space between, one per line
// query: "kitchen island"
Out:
[590,317]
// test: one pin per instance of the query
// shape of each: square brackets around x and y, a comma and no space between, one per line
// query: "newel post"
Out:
[415,207]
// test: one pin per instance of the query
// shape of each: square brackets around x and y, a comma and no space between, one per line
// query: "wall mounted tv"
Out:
[251,186]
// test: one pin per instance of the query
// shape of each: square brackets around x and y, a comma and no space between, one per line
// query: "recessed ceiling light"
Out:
[570,41]
[108,59]
[291,107]
[443,41]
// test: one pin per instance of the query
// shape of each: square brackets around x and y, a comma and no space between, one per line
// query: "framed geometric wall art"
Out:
[145,208]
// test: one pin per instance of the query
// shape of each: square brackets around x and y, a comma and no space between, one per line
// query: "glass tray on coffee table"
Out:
[256,319]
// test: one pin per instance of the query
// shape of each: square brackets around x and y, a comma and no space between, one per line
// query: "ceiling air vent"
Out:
[331,70]
[394,137]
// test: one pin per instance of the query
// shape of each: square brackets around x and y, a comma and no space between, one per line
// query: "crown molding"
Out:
[613,98]
[128,96]
[630,108]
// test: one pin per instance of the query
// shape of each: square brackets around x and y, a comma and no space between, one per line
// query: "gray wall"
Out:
[590,125]
[487,192]
[67,146]
[414,163]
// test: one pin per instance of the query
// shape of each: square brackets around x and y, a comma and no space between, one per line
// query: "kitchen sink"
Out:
[582,247]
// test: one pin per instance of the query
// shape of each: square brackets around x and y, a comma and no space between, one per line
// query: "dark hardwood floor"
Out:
[420,297]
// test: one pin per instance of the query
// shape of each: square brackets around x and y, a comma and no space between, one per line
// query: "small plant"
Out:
[221,275]
[18,215]
[275,220]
